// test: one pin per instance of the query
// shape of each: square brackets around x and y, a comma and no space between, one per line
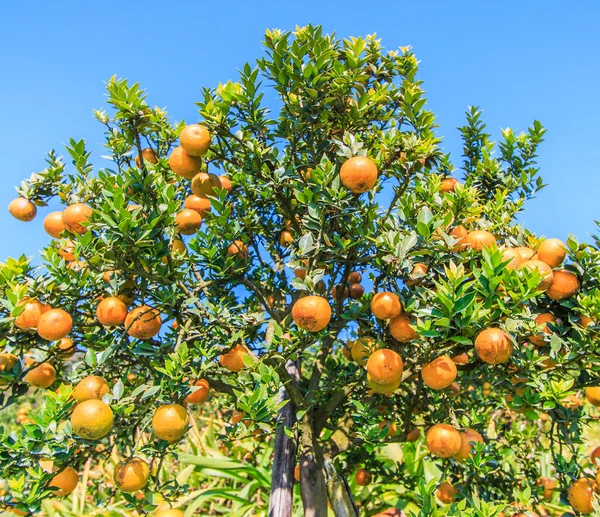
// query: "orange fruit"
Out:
[297,473]
[446,492]
[581,495]
[42,376]
[413,435]
[169,513]
[54,324]
[238,249]
[111,311]
[552,252]
[356,291]
[225,182]
[339,290]
[53,224]
[74,216]
[201,394]
[585,321]
[391,428]
[143,322]
[148,155]
[480,239]
[131,475]
[592,394]
[361,350]
[386,305]
[460,233]
[354,278]
[461,358]
[548,486]
[286,238]
[92,419]
[363,477]
[187,221]
[443,440]
[384,366]
[595,456]
[564,285]
[384,389]
[512,255]
[311,313]
[7,363]
[454,389]
[524,252]
[467,438]
[204,184]
[90,387]
[237,416]
[542,320]
[401,330]
[22,209]
[170,422]
[32,311]
[65,481]
[197,203]
[195,140]
[439,373]
[493,346]
[234,359]
[544,270]
[358,174]
[183,164]
[448,185]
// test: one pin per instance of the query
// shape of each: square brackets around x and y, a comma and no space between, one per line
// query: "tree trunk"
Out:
[340,496]
[313,488]
[284,456]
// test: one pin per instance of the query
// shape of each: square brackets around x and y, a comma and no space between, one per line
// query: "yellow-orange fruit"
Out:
[586,321]
[311,313]
[197,203]
[592,394]
[460,233]
[390,427]
[480,239]
[448,185]
[384,366]
[581,495]
[363,477]
[183,164]
[564,285]
[542,320]
[237,416]
[225,182]
[195,139]
[170,422]
[234,359]
[361,350]
[297,473]
[384,389]
[413,435]
[595,456]
[143,322]
[90,387]
[552,252]
[544,270]
[510,254]
[446,492]
[32,311]
[443,440]
[7,363]
[54,224]
[386,305]
[548,486]
[204,184]
[132,475]
[493,346]
[286,238]
[439,373]
[462,358]
[148,155]
[467,438]
[238,249]
[401,330]
[111,311]
[22,209]
[92,419]
[65,481]
[358,174]
[201,394]
[75,215]
[42,376]
[524,252]
[67,251]
[187,221]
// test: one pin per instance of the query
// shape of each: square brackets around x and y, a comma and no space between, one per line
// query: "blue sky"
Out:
[517,60]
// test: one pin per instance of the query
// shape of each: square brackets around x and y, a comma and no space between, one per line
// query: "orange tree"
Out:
[326,269]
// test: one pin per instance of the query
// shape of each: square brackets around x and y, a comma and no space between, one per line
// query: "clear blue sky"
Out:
[517,60]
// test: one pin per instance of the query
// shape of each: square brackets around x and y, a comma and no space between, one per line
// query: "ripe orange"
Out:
[595,456]
[592,394]
[65,481]
[197,203]
[148,155]
[111,311]
[460,233]
[454,389]
[201,394]
[493,346]
[286,238]
[356,291]
[384,389]
[542,320]
[170,422]
[480,239]
[552,252]
[195,140]
[54,324]
[53,224]
[225,183]
[524,252]
[467,438]
[461,358]
[363,477]
[544,270]
[42,376]
[446,492]
[361,350]
[354,277]
[564,285]
[143,322]
[311,313]
[187,221]
[237,416]
[585,321]
[413,435]
[92,419]
[386,305]
[390,427]
[31,313]
[548,486]
[581,495]
[90,387]
[401,330]
[439,373]
[183,164]
[297,473]
[74,216]
[204,184]
[7,363]
[169,513]
[358,174]
[384,366]
[443,440]
[448,185]
[22,209]
[512,255]
[238,249]
[67,251]
[132,475]
[234,359]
